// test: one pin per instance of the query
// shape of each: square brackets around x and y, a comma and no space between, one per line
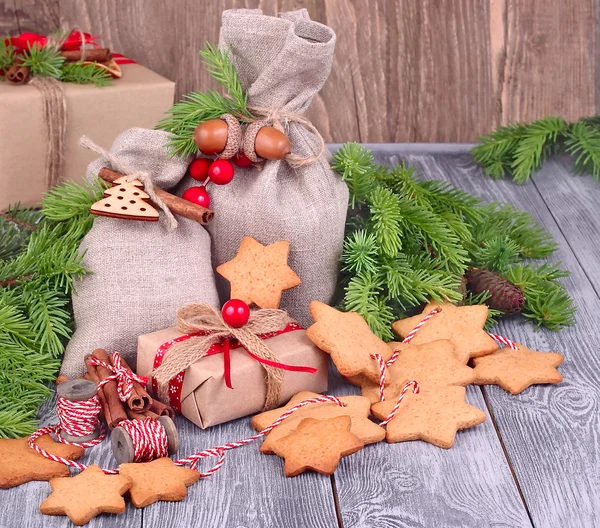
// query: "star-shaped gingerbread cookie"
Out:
[515,370]
[463,325]
[358,408]
[19,463]
[433,363]
[86,495]
[159,480]
[434,415]
[348,339]
[260,274]
[317,445]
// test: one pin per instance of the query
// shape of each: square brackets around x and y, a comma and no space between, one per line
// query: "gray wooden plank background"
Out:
[432,70]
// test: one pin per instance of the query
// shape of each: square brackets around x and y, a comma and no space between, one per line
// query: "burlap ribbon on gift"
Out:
[208,323]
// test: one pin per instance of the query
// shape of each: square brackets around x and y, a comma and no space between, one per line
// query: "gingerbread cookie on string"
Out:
[462,325]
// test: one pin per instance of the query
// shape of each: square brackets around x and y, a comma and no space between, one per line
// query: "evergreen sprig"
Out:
[409,241]
[196,107]
[38,268]
[7,55]
[43,60]
[519,149]
[80,73]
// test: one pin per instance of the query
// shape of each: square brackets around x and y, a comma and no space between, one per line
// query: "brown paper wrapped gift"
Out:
[138,99]
[206,400]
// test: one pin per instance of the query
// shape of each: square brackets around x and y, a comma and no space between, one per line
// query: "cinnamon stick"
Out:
[141,416]
[140,400]
[93,375]
[17,73]
[91,55]
[161,409]
[115,406]
[177,205]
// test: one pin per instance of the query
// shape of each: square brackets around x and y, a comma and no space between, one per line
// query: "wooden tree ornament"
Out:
[125,200]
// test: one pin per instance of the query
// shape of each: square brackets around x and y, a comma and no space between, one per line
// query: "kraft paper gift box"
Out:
[138,99]
[206,400]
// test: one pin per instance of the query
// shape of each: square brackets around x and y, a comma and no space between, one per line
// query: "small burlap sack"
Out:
[141,272]
[282,63]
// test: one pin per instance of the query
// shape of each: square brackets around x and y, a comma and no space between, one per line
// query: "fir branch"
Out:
[583,142]
[360,252]
[80,73]
[497,254]
[496,150]
[70,200]
[221,69]
[386,215]
[196,107]
[43,61]
[357,167]
[7,54]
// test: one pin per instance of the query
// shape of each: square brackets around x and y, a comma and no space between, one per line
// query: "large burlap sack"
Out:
[141,272]
[282,63]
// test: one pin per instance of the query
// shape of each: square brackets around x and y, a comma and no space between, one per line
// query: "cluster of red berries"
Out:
[219,172]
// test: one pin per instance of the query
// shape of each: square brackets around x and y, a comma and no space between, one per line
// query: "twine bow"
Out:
[132,174]
[208,324]
[280,119]
[121,375]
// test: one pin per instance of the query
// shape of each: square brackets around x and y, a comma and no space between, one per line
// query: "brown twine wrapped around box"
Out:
[207,320]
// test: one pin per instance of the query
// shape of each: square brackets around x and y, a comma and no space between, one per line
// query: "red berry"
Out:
[241,160]
[220,172]
[235,313]
[197,195]
[199,168]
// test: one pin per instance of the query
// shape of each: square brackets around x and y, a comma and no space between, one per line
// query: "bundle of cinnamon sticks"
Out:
[139,405]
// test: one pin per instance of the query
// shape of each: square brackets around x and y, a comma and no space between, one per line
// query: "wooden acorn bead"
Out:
[219,136]
[264,142]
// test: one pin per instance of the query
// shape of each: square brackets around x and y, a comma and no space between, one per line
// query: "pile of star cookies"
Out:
[91,492]
[436,356]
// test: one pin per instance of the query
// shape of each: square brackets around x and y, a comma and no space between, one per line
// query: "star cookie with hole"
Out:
[260,274]
[20,464]
[159,480]
[348,339]
[317,445]
[433,363]
[357,408]
[433,415]
[463,325]
[516,370]
[86,495]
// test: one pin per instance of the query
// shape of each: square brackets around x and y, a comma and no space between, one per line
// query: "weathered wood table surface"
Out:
[534,462]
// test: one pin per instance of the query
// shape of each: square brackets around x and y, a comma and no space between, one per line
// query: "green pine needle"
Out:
[79,73]
[36,281]
[519,149]
[196,107]
[583,143]
[7,54]
[43,61]
[409,241]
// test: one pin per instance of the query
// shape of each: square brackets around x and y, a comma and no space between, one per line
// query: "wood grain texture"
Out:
[550,433]
[435,70]
[573,202]
[21,505]
[547,60]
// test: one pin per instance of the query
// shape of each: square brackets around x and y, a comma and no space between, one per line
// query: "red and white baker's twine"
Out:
[121,375]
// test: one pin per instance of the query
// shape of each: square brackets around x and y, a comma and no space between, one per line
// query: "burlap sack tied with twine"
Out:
[141,272]
[282,63]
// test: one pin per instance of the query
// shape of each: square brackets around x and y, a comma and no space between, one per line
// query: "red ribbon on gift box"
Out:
[26,40]
[176,384]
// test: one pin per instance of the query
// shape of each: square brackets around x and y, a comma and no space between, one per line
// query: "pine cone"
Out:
[505,296]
